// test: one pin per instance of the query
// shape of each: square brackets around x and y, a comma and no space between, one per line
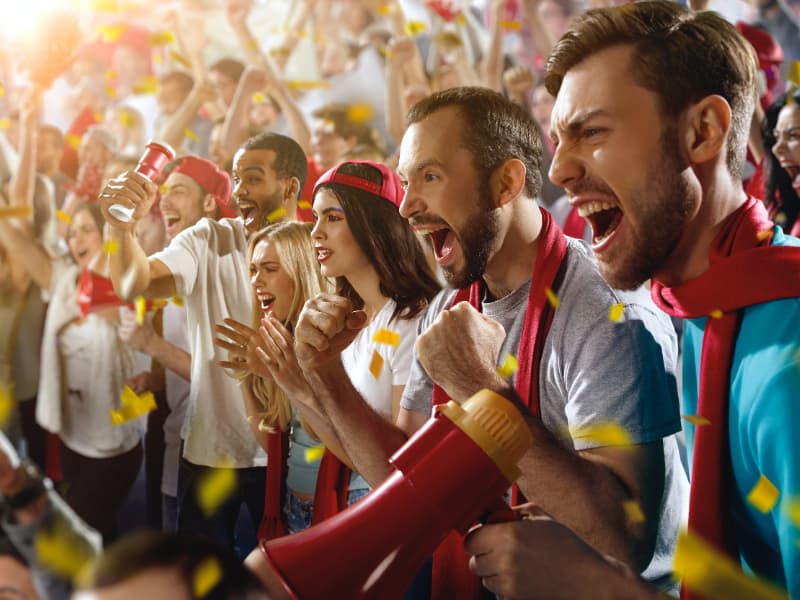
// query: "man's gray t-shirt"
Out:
[594,371]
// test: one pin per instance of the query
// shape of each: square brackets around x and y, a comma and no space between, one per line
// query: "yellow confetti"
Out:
[259,98]
[461,19]
[105,6]
[603,434]
[314,453]
[385,9]
[111,92]
[697,420]
[207,575]
[73,140]
[161,38]
[552,298]
[710,573]
[190,134]
[111,75]
[793,75]
[177,301]
[214,488]
[633,512]
[159,303]
[376,364]
[111,247]
[146,85]
[387,336]
[5,123]
[508,367]
[415,28]
[6,404]
[111,33]
[715,314]
[2,90]
[276,214]
[304,204]
[792,509]
[20,211]
[180,58]
[763,235]
[141,309]
[132,406]
[126,118]
[764,495]
[300,84]
[158,59]
[64,217]
[616,312]
[448,39]
[60,551]
[97,116]
[511,25]
[359,113]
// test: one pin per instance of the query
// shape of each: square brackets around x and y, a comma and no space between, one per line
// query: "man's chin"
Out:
[622,278]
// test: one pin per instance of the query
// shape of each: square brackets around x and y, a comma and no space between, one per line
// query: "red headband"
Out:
[390,190]
[213,179]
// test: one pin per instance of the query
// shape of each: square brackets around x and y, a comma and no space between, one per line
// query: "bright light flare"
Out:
[19,19]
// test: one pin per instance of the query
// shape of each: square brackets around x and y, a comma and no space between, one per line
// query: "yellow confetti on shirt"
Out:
[73,140]
[764,495]
[415,28]
[508,367]
[314,453]
[276,214]
[5,123]
[696,420]
[552,298]
[6,404]
[603,434]
[708,572]
[132,406]
[207,575]
[511,25]
[63,217]
[146,85]
[111,247]
[259,98]
[190,134]
[305,204]
[20,211]
[214,488]
[387,336]
[634,512]
[359,113]
[177,301]
[161,38]
[180,58]
[141,309]
[715,314]
[376,364]
[111,33]
[616,312]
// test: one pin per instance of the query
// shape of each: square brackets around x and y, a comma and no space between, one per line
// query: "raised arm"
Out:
[174,129]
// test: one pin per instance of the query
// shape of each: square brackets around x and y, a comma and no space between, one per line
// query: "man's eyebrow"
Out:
[258,168]
[575,124]
[420,166]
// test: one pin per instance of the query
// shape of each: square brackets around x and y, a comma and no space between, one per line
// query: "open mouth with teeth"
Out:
[171,220]
[443,242]
[604,218]
[249,213]
[266,301]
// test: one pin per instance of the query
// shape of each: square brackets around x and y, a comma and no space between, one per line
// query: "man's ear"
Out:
[209,206]
[292,191]
[707,125]
[507,182]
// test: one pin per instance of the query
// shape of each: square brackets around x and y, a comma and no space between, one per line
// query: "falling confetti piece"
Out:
[386,9]
[376,364]
[276,214]
[387,336]
[132,406]
[61,551]
[448,39]
[314,453]
[764,495]
[552,298]
[708,572]
[763,235]
[141,309]
[207,575]
[111,247]
[2,90]
[792,509]
[604,434]
[191,135]
[304,204]
[298,84]
[511,25]
[73,140]
[461,19]
[177,301]
[415,28]
[508,367]
[146,85]
[97,116]
[259,98]
[697,419]
[111,92]
[616,312]
[214,488]
[111,33]
[633,512]
[6,404]
[715,314]
[108,6]
[158,59]
[111,75]
[180,58]
[161,38]
[5,123]
[126,119]
[64,217]
[17,211]
[793,74]
[359,113]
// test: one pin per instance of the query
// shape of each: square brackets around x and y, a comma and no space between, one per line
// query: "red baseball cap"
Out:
[390,190]
[213,179]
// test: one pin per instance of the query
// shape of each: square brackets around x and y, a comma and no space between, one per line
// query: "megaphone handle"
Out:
[499,512]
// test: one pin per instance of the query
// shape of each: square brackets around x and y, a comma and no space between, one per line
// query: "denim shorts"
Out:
[297,512]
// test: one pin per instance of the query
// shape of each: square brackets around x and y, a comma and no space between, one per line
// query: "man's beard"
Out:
[664,217]
[477,240]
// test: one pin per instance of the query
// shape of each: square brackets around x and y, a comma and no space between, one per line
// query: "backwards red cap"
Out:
[213,179]
[768,50]
[390,190]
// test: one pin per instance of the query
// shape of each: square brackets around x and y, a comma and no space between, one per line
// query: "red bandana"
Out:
[272,526]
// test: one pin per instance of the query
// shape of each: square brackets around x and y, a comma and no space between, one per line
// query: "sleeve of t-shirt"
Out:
[403,355]
[184,256]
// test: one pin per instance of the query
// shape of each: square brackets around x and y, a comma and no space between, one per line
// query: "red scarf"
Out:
[333,482]
[272,525]
[574,224]
[744,270]
[451,575]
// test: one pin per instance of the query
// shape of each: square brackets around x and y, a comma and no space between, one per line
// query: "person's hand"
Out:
[327,325]
[401,50]
[10,481]
[30,105]
[519,81]
[204,92]
[459,351]
[277,354]
[130,189]
[140,383]
[257,79]
[241,349]
[194,36]
[538,557]
[138,337]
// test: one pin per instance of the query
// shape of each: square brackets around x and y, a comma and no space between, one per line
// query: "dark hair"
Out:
[494,130]
[338,114]
[230,67]
[52,130]
[185,551]
[181,78]
[93,208]
[290,160]
[679,55]
[779,196]
[388,242]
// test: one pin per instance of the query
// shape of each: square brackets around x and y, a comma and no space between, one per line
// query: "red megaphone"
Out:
[450,473]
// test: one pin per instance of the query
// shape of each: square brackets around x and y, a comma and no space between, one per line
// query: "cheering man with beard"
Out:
[206,265]
[470,163]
